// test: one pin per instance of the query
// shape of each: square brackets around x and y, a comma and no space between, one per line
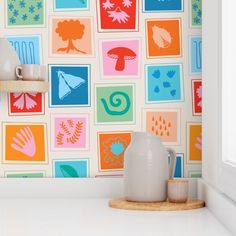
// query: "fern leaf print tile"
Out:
[25,12]
[70,132]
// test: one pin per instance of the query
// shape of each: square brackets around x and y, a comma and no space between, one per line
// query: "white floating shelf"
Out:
[24,86]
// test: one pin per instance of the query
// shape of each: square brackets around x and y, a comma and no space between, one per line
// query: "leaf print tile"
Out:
[69,171]
[71,168]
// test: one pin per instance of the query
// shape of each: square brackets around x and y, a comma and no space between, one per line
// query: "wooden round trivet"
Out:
[156,206]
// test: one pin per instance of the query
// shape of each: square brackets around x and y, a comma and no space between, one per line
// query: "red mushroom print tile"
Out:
[120,58]
[117,15]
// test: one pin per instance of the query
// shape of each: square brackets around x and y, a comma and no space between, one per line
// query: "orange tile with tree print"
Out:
[72,36]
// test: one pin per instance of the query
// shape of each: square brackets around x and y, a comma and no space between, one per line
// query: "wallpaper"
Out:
[114,66]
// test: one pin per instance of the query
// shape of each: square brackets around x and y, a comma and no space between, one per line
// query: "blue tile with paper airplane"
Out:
[70,85]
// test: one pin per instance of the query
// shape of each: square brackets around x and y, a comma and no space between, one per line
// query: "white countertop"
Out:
[85,217]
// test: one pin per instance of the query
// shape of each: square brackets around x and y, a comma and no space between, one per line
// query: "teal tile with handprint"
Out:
[25,12]
[115,104]
[164,83]
[196,13]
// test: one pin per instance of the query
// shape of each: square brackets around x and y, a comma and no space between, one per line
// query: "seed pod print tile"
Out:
[70,132]
[163,38]
[117,15]
[25,13]
[163,5]
[164,123]
[164,83]
[71,37]
[25,143]
[111,148]
[115,104]
[71,168]
[120,58]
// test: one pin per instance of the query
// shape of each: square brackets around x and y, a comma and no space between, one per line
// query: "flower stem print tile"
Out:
[28,48]
[163,38]
[111,148]
[71,168]
[196,13]
[71,5]
[114,104]
[120,58]
[70,85]
[24,143]
[70,132]
[162,5]
[117,15]
[194,143]
[164,123]
[71,37]
[26,104]
[22,13]
[164,83]
[197,97]
[195,54]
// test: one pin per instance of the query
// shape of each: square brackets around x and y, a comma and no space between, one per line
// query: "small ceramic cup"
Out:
[31,72]
[178,190]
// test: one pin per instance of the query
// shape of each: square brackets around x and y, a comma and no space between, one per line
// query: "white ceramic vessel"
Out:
[178,190]
[147,169]
[8,60]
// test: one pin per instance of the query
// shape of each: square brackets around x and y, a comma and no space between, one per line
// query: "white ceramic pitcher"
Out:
[147,168]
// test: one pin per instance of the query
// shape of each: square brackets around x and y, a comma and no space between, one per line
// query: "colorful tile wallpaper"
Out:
[114,66]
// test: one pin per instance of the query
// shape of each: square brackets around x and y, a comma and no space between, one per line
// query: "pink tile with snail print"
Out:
[120,58]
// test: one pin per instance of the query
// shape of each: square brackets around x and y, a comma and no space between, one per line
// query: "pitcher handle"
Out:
[172,154]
